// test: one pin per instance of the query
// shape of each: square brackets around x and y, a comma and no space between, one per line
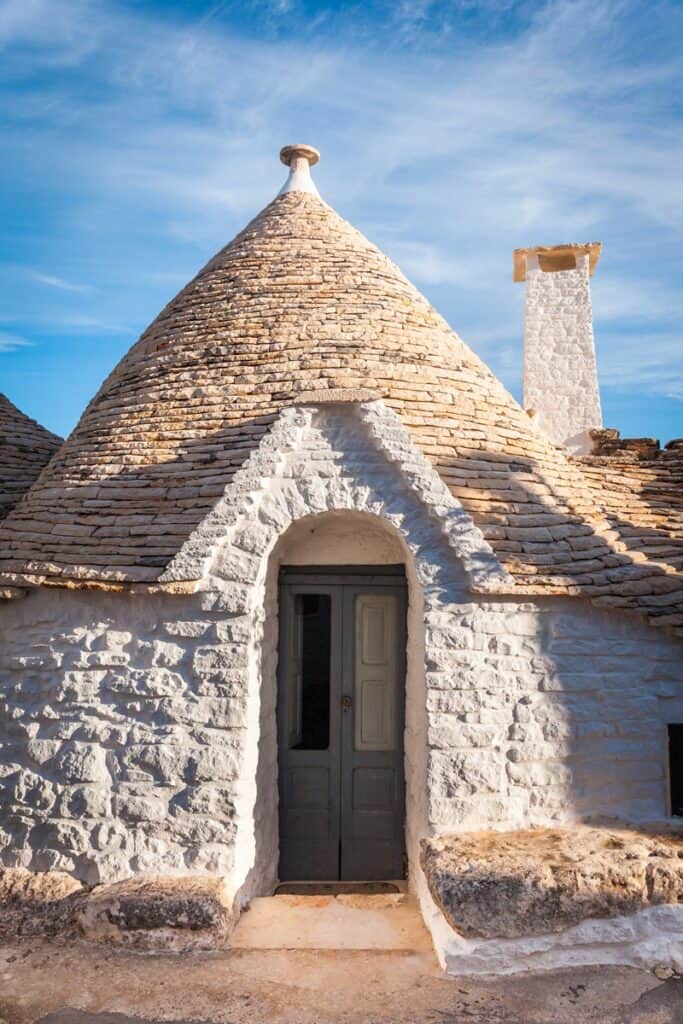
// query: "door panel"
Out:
[308,732]
[340,708]
[375,683]
[372,804]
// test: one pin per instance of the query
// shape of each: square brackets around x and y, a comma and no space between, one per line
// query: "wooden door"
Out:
[340,711]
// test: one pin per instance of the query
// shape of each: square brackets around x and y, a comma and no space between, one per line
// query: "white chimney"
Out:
[560,373]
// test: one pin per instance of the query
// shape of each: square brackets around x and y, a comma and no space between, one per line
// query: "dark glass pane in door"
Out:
[676,768]
[313,626]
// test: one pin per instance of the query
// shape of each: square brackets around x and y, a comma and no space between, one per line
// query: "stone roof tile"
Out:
[301,304]
[25,449]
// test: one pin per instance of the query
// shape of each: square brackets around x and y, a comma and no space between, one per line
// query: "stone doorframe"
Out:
[356,459]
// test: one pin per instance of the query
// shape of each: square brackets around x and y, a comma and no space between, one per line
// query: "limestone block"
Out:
[464,813]
[37,904]
[461,773]
[158,913]
[59,844]
[239,565]
[143,805]
[209,764]
[163,762]
[156,653]
[508,884]
[254,538]
[212,662]
[188,630]
[33,791]
[80,762]
[110,640]
[452,702]
[90,801]
[531,774]
[152,682]
[234,599]
[206,799]
[109,836]
[450,733]
[40,751]
[234,630]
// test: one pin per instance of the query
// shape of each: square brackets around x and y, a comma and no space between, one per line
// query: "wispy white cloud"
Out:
[56,34]
[94,324]
[53,281]
[12,342]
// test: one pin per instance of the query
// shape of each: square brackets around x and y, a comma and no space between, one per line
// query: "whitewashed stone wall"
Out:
[121,737]
[547,712]
[137,734]
[560,371]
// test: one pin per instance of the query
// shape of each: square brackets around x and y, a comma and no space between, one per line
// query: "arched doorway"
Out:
[341,709]
[342,610]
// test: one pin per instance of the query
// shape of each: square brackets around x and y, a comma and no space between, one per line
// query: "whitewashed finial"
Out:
[299,158]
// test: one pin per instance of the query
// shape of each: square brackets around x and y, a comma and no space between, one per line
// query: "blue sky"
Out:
[138,137]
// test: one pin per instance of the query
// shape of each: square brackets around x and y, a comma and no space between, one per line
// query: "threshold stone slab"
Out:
[540,880]
[387,921]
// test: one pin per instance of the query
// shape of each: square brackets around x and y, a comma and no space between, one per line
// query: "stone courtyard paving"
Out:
[58,982]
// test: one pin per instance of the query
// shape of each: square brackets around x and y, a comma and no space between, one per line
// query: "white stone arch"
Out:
[395,550]
[332,460]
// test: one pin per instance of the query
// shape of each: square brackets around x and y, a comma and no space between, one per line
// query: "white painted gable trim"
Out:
[390,437]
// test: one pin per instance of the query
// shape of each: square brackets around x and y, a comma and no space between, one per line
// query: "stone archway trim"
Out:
[484,571]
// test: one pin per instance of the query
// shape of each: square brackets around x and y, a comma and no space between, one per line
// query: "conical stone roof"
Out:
[298,303]
[25,449]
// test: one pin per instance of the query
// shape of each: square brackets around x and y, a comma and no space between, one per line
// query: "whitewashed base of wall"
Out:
[649,939]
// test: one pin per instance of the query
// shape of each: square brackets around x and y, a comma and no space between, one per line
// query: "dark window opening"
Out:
[676,768]
[315,625]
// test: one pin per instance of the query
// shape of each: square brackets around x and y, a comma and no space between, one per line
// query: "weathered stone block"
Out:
[140,806]
[506,884]
[38,904]
[86,802]
[152,913]
[209,764]
[80,762]
[213,662]
[461,773]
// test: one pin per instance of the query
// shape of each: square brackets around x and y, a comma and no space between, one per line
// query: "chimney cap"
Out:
[299,149]
[555,257]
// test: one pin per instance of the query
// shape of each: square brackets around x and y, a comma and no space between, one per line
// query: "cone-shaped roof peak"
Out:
[25,449]
[297,305]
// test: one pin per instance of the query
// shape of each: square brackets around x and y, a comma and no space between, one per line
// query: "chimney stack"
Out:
[560,373]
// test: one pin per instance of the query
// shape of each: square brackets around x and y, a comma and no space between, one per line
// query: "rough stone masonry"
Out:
[134,737]
[560,371]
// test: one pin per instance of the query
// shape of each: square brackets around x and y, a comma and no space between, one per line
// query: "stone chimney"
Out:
[561,391]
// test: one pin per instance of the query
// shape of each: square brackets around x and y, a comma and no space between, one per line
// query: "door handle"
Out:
[346,703]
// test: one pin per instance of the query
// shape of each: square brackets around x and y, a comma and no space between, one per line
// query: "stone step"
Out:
[387,921]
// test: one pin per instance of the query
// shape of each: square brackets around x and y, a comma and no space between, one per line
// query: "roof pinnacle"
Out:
[299,158]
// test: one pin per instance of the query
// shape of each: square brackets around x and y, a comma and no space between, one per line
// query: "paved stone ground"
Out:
[54,982]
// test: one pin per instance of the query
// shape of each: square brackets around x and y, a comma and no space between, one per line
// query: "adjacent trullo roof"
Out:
[25,449]
[301,302]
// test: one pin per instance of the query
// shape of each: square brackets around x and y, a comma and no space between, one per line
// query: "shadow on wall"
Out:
[659,545]
[588,737]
